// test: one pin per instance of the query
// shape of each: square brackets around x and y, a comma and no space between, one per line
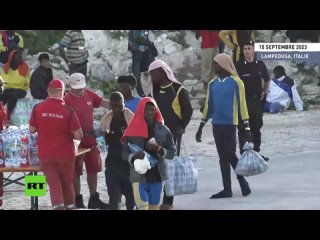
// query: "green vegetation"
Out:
[106,87]
[40,40]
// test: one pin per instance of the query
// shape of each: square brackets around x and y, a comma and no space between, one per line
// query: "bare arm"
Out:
[78,134]
[63,54]
[32,129]
[105,103]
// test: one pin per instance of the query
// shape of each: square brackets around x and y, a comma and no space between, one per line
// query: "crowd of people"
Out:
[239,90]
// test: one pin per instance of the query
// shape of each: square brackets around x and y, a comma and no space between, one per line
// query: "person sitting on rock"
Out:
[282,91]
[16,77]
[10,40]
[41,77]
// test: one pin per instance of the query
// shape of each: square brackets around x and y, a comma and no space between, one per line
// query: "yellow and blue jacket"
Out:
[225,101]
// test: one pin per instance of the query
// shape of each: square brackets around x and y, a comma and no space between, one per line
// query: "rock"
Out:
[280,37]
[306,81]
[99,93]
[32,62]
[171,48]
[264,35]
[60,75]
[54,49]
[101,71]
[190,82]
[121,66]
[56,59]
[189,89]
[55,65]
[311,90]
[198,87]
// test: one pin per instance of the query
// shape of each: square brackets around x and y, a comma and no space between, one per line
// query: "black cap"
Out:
[43,56]
[248,43]
[127,79]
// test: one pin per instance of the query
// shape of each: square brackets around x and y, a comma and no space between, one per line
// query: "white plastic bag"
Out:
[250,162]
[183,176]
[141,166]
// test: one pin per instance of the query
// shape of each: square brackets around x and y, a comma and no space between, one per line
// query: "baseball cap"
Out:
[56,84]
[248,43]
[77,81]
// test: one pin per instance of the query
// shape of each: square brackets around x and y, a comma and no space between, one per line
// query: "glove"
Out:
[248,136]
[198,136]
[247,132]
[141,166]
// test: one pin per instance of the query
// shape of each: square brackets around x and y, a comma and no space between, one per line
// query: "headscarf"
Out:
[138,126]
[161,64]
[225,61]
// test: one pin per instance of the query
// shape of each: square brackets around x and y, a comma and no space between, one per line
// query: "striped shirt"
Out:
[225,101]
[75,43]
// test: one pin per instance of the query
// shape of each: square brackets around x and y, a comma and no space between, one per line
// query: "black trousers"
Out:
[78,68]
[255,111]
[118,180]
[225,138]
[10,96]
[166,199]
[119,184]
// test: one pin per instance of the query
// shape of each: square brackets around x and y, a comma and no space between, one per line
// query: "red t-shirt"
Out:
[209,39]
[55,123]
[84,107]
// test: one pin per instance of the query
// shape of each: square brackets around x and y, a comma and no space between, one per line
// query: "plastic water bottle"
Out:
[102,144]
[135,148]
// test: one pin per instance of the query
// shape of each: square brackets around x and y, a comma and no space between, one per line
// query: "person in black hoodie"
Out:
[41,78]
[174,104]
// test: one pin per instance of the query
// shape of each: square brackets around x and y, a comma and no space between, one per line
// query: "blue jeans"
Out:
[273,107]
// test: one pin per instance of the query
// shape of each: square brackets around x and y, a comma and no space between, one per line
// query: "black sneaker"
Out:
[79,201]
[96,203]
[222,194]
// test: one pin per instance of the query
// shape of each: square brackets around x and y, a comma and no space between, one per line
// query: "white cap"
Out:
[77,81]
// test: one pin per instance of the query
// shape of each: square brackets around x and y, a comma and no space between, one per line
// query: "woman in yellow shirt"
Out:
[16,77]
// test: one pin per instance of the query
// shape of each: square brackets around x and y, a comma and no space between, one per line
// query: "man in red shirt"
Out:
[209,49]
[83,101]
[57,125]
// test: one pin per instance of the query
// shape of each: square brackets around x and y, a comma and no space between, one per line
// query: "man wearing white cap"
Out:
[84,101]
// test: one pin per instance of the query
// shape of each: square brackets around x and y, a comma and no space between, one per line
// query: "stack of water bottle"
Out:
[22,112]
[99,136]
[18,148]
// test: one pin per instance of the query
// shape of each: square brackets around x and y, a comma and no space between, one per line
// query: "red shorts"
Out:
[91,159]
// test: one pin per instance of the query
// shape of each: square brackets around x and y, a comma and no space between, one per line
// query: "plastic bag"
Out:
[250,162]
[135,148]
[183,176]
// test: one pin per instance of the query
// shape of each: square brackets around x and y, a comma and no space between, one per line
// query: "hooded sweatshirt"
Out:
[174,95]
